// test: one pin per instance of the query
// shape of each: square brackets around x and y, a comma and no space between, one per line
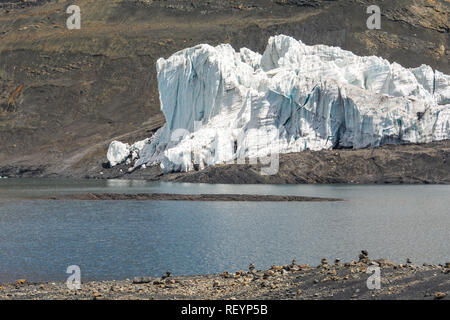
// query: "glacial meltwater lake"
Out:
[109,240]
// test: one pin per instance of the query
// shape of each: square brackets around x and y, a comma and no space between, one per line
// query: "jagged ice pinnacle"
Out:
[221,105]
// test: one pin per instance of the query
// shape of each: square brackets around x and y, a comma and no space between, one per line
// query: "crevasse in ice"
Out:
[221,105]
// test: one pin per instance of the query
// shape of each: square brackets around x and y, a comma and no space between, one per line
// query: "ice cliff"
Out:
[221,105]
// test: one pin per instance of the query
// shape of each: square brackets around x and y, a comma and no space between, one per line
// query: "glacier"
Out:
[222,106]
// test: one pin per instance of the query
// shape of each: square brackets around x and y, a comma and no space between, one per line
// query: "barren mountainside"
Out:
[65,94]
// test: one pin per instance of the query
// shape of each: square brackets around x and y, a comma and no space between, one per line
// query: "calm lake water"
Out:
[39,239]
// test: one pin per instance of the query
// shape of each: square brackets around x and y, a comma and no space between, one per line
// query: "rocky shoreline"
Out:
[290,282]
[187,197]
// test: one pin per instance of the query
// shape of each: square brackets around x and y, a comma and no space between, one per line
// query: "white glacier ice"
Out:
[119,152]
[221,105]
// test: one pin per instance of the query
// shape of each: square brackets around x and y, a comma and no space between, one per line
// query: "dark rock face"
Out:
[64,94]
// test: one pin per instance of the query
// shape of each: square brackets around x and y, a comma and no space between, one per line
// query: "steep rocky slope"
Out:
[65,94]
